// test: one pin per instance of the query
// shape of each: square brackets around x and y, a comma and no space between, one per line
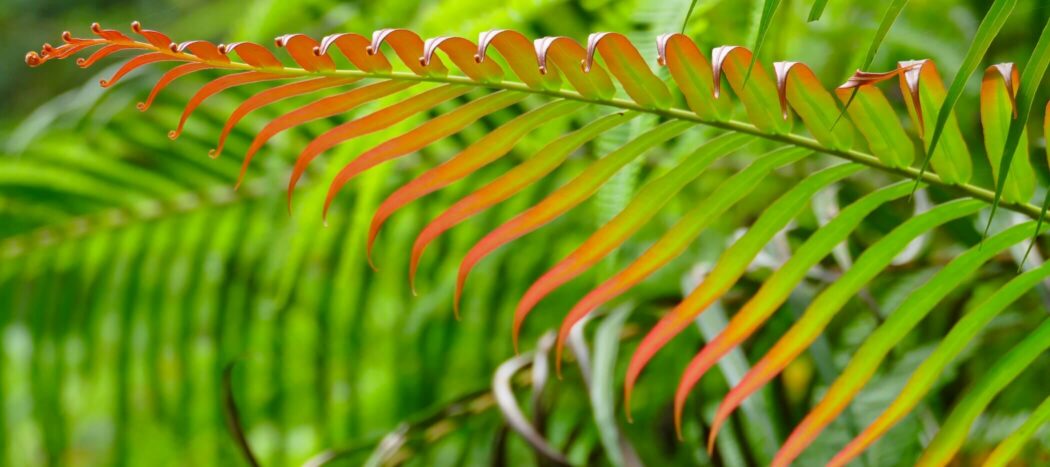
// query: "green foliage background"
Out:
[131,272]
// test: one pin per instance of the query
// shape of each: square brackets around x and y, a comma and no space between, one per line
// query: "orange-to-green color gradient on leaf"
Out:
[866,360]
[830,301]
[778,287]
[998,110]
[922,85]
[648,200]
[753,209]
[489,148]
[677,238]
[534,168]
[730,266]
[564,198]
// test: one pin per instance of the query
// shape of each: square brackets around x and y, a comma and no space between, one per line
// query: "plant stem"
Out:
[869,160]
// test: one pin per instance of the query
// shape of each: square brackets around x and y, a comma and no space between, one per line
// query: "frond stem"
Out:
[869,160]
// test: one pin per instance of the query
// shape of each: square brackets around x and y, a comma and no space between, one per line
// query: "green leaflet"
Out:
[603,381]
[826,305]
[997,116]
[673,243]
[991,24]
[876,257]
[769,8]
[75,182]
[919,304]
[730,267]
[628,215]
[817,10]
[888,18]
[777,287]
[800,87]
[1046,200]
[1032,76]
[876,120]
[1011,446]
[951,159]
[735,259]
[879,255]
[954,431]
[688,13]
[733,263]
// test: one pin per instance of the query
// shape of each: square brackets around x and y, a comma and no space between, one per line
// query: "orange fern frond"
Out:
[608,72]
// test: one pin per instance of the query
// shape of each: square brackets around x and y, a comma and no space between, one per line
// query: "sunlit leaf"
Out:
[565,197]
[901,321]
[954,430]
[831,300]
[998,110]
[769,9]
[678,238]
[1010,447]
[817,10]
[731,266]
[993,21]
[777,288]
[645,204]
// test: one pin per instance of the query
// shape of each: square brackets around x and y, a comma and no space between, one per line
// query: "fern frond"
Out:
[610,73]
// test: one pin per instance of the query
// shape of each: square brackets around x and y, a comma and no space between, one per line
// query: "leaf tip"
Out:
[33,59]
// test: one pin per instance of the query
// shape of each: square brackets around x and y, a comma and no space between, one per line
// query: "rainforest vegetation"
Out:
[533,232]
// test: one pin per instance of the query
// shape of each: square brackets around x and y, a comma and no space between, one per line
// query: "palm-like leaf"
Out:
[572,76]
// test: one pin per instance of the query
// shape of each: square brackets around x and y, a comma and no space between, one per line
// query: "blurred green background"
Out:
[131,272]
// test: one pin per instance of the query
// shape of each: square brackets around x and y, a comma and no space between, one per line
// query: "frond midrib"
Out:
[20,241]
[86,225]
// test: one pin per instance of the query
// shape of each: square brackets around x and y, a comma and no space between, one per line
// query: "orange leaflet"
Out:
[355,48]
[463,53]
[104,52]
[519,54]
[409,48]
[492,146]
[378,120]
[322,108]
[542,163]
[166,79]
[272,95]
[564,198]
[433,130]
[646,203]
[135,63]
[202,51]
[302,49]
[692,72]
[218,85]
[252,54]
[627,65]
[568,56]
